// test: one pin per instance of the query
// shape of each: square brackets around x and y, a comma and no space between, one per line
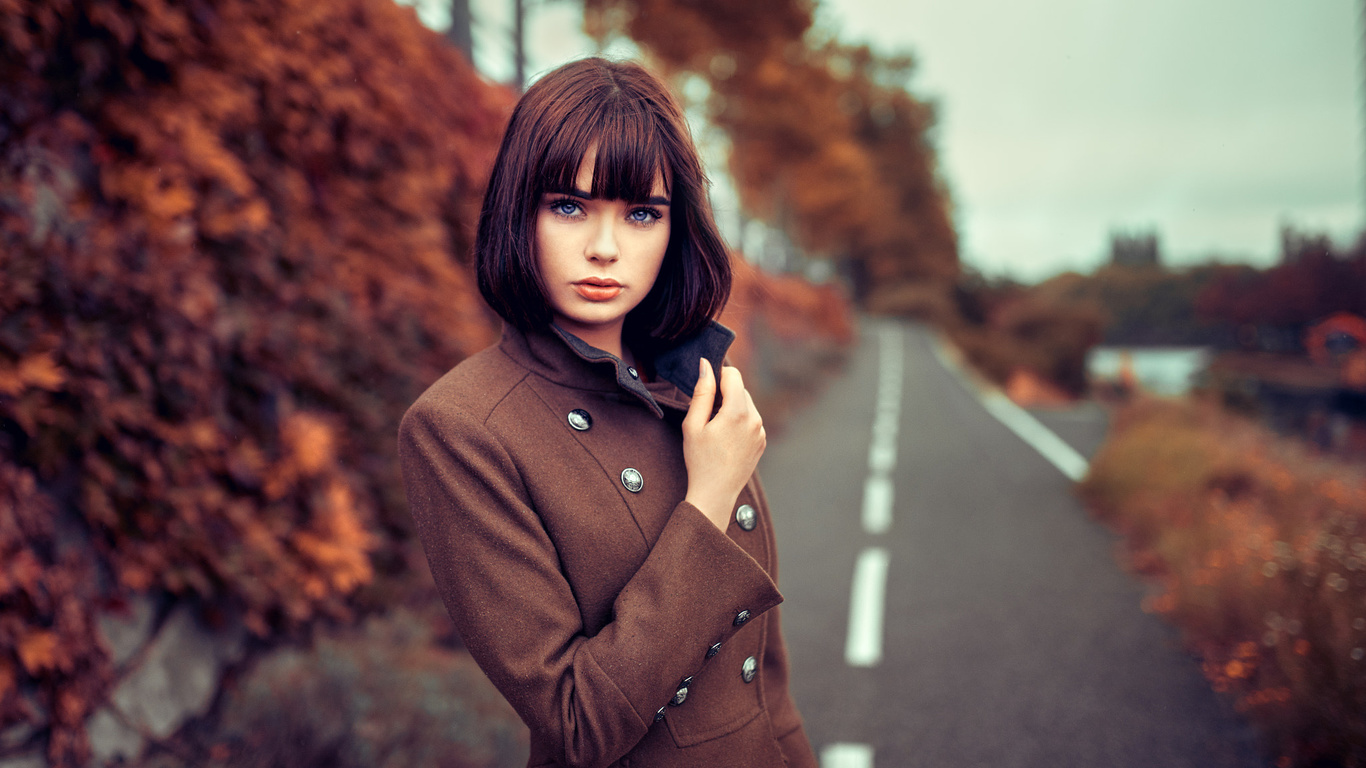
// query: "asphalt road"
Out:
[1010,637]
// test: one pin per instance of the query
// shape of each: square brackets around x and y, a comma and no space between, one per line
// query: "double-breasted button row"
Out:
[582,421]
[749,669]
[681,695]
[741,618]
[746,517]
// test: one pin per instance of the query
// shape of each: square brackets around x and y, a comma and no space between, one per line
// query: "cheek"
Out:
[547,246]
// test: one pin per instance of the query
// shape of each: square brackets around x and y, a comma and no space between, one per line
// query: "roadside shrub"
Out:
[789,335]
[1257,551]
[1024,333]
[231,243]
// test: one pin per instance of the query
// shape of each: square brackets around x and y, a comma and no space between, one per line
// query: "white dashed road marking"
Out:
[863,646]
[867,596]
[877,504]
[843,755]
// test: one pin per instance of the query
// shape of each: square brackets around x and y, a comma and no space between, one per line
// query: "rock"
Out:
[178,675]
[125,633]
[33,759]
[383,694]
[111,739]
[14,736]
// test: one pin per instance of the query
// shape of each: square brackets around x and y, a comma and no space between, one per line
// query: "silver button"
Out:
[749,669]
[681,695]
[632,479]
[746,517]
[660,714]
[712,651]
[741,618]
[580,420]
[634,373]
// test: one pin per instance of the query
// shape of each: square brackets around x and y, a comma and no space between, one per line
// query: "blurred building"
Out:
[1296,244]
[1135,249]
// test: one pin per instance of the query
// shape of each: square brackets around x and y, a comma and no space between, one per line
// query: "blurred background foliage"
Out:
[826,142]
[1256,549]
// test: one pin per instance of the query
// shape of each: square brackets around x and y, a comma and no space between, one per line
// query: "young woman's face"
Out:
[599,258]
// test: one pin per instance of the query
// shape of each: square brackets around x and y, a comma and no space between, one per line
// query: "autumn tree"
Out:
[231,244]
[1313,281]
[826,141]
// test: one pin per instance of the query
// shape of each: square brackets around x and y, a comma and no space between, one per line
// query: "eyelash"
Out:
[558,207]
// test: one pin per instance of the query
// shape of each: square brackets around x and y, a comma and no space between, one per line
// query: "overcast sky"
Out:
[1210,122]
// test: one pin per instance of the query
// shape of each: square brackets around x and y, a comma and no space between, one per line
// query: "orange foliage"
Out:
[1259,555]
[1314,280]
[826,142]
[233,237]
[803,327]
[787,306]
[1011,332]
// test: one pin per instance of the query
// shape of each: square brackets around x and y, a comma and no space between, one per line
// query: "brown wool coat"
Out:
[589,605]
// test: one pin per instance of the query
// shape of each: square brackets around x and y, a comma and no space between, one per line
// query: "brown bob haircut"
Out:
[640,134]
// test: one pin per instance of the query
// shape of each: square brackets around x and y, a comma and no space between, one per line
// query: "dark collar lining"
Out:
[677,365]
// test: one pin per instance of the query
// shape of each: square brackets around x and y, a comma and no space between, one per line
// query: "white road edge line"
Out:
[863,647]
[845,755]
[1042,439]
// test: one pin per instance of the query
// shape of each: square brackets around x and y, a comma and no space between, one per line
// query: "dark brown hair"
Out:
[640,133]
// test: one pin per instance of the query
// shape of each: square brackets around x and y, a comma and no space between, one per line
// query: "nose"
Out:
[602,246]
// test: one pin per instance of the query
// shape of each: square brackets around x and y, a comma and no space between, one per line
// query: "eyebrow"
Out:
[579,193]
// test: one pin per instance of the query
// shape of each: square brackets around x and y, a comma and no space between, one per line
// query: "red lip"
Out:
[598,288]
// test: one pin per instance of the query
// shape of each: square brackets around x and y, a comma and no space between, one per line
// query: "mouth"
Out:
[598,288]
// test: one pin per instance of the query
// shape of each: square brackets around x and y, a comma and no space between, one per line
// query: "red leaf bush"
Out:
[234,237]
[1258,553]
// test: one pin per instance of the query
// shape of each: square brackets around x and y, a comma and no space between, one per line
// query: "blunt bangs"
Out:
[630,150]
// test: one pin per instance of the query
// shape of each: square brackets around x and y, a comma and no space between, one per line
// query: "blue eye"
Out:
[644,215]
[565,207]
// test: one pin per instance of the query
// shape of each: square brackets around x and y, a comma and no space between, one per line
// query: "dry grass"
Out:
[1257,551]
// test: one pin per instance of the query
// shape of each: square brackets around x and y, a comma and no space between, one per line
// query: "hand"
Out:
[722,452]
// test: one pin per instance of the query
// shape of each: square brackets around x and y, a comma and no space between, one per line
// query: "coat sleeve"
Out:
[590,698]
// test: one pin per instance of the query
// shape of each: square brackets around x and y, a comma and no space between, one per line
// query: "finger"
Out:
[733,392]
[703,395]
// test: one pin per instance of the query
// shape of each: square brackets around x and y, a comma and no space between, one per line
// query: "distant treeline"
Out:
[1221,305]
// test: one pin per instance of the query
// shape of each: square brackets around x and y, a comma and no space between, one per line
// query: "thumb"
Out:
[703,396]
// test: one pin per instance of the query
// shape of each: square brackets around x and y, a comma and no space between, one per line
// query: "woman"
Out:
[591,517]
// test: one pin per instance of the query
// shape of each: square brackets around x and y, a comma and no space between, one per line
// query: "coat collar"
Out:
[566,359]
